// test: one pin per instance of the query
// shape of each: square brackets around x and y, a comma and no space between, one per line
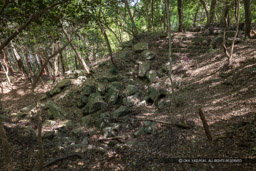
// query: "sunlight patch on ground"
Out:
[212,119]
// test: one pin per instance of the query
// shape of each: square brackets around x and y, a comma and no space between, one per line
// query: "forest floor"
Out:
[227,97]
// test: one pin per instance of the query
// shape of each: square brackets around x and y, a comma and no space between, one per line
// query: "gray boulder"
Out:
[149,55]
[120,112]
[100,88]
[130,100]
[82,101]
[144,67]
[112,95]
[117,85]
[88,89]
[87,120]
[63,83]
[60,86]
[126,53]
[126,44]
[130,90]
[54,111]
[151,75]
[95,103]
[139,47]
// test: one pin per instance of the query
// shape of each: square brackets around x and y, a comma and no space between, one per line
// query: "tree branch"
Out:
[22,27]
[4,5]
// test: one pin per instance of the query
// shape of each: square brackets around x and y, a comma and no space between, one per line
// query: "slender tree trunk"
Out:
[248,20]
[212,13]
[4,5]
[56,66]
[5,67]
[84,65]
[29,65]
[108,44]
[180,13]
[152,15]
[27,62]
[170,46]
[205,9]
[62,61]
[195,16]
[8,62]
[237,16]
[19,61]
[135,31]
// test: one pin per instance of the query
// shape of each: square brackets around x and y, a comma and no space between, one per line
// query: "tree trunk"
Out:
[180,13]
[237,16]
[212,13]
[62,61]
[4,5]
[19,61]
[248,20]
[195,16]
[56,64]
[170,46]
[84,65]
[28,66]
[108,44]
[152,15]
[205,8]
[5,67]
[135,31]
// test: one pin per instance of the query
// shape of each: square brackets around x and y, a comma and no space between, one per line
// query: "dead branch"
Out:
[179,125]
[205,124]
[62,158]
[113,138]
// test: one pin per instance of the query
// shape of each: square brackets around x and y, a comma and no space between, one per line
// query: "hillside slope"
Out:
[126,119]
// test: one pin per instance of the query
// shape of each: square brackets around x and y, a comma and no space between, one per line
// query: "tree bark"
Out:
[62,61]
[180,13]
[152,15]
[4,5]
[56,64]
[248,20]
[5,67]
[212,13]
[29,65]
[205,124]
